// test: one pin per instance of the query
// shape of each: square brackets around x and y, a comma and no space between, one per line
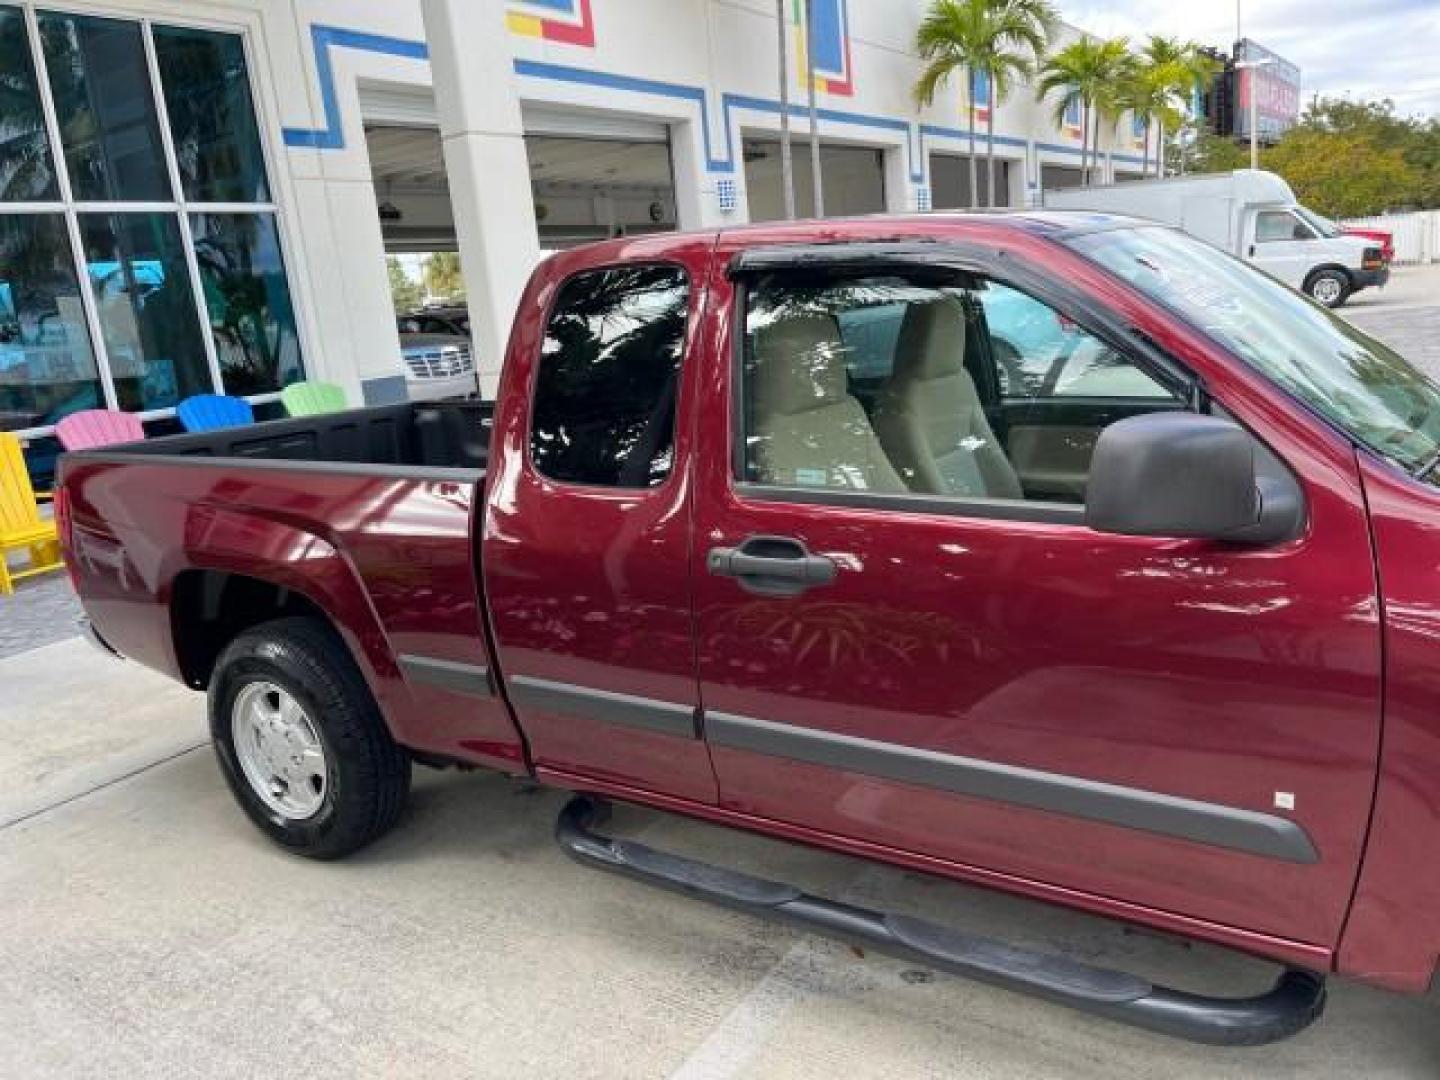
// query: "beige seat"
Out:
[808,431]
[929,418]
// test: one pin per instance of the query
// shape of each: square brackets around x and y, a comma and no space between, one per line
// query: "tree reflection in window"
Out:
[252,318]
[609,374]
[26,169]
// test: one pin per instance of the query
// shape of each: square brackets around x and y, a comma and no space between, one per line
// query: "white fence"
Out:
[1417,235]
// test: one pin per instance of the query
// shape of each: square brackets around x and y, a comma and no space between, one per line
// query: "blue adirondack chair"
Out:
[207,412]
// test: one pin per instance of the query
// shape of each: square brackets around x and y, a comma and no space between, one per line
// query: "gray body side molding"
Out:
[446,674]
[606,706]
[1249,831]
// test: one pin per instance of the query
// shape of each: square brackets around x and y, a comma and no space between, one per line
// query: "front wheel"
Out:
[1330,287]
[301,741]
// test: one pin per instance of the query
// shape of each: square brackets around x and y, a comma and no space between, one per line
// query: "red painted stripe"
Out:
[581,33]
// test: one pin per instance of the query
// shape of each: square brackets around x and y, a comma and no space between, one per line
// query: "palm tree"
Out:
[1092,72]
[787,164]
[1180,66]
[817,180]
[997,41]
[1149,95]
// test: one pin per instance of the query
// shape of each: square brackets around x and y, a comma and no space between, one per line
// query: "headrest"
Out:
[799,365]
[931,343]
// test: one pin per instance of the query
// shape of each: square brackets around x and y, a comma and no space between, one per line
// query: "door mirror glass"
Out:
[1188,476]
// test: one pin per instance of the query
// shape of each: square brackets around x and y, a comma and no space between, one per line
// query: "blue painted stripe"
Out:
[827,27]
[323,38]
[834,116]
[539,69]
[961,133]
[332,135]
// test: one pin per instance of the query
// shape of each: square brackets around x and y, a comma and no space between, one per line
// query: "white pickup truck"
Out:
[1252,214]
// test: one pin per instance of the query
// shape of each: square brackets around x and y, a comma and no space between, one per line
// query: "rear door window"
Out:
[608,379]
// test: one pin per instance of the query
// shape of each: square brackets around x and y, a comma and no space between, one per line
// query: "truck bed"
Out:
[383,440]
[362,517]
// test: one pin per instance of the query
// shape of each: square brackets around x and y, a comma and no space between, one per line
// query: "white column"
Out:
[899,191]
[484,141]
[697,192]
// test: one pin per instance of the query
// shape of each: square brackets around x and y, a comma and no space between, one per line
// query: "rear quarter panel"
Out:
[386,556]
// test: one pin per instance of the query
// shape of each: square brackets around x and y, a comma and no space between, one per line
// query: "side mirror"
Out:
[1179,474]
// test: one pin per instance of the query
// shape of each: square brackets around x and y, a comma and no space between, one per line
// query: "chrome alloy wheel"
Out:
[279,751]
[1327,291]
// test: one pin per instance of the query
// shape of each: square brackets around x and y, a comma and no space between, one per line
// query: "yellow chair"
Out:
[20,523]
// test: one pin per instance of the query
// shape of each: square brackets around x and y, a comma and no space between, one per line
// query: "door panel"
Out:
[586,554]
[1119,716]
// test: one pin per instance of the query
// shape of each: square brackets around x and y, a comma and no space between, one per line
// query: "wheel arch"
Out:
[1316,271]
[214,600]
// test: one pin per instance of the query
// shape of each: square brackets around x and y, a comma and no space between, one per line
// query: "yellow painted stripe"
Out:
[529,25]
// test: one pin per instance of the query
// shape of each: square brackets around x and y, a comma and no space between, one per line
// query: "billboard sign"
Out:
[1276,86]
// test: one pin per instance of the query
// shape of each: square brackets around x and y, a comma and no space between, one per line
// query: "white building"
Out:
[189,190]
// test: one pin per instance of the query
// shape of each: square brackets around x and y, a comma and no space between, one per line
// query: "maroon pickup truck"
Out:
[1056,553]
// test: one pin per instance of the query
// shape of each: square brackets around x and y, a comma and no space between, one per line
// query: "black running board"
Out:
[1292,1004]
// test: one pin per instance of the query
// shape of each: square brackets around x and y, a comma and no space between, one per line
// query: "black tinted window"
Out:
[609,372]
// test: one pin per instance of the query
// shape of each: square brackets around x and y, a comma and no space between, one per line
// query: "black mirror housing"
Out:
[1187,476]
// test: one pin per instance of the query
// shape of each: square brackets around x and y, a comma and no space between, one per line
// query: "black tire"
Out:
[368,775]
[1333,284]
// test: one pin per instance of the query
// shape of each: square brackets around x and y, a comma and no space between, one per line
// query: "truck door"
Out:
[1283,246]
[585,552]
[906,640]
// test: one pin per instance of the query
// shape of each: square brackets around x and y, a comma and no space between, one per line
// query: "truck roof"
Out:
[946,222]
[957,225]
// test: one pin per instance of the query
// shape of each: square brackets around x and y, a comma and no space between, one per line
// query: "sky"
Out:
[1367,49]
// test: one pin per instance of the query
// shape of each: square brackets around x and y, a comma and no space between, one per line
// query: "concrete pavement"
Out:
[1405,315]
[149,930]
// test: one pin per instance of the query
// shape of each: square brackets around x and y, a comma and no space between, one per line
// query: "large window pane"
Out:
[251,318]
[26,170]
[47,368]
[212,115]
[147,309]
[105,107]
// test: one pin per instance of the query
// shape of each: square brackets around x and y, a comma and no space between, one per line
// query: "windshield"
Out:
[1363,387]
[1323,225]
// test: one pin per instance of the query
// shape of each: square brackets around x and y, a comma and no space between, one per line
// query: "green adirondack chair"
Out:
[313,398]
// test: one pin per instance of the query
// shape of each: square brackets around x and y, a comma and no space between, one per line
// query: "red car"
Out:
[1386,240]
[1058,553]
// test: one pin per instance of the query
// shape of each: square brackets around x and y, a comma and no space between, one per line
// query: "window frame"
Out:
[692,314]
[70,208]
[856,259]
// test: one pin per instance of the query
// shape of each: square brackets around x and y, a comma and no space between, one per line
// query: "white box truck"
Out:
[1251,214]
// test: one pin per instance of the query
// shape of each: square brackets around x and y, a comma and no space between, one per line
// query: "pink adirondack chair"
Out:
[98,427]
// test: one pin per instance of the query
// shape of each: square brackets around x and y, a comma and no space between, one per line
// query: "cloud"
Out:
[1357,48]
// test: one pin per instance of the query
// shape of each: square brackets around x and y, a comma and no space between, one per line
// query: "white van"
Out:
[1254,215]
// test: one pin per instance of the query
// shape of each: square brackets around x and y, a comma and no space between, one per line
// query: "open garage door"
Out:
[584,188]
[854,179]
[593,189]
